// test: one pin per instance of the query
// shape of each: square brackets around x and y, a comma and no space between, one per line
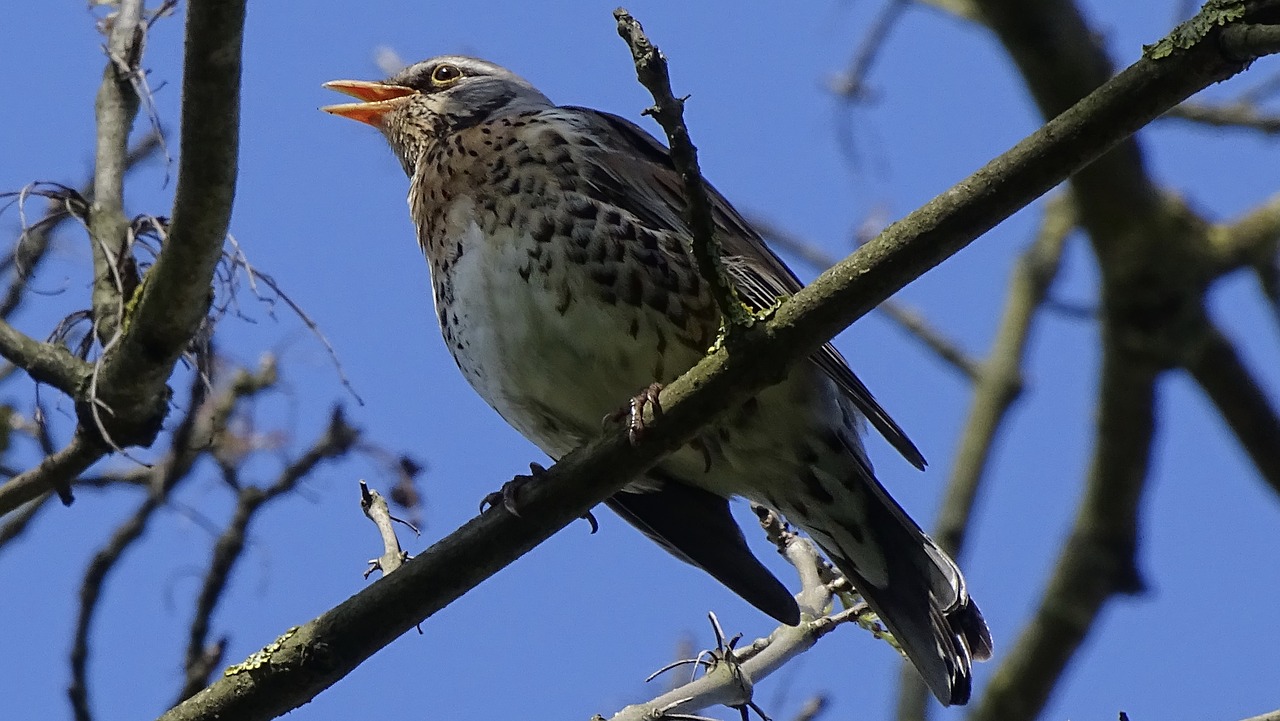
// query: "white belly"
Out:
[552,366]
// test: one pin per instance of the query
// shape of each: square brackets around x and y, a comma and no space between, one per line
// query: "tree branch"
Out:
[668,110]
[55,472]
[729,682]
[909,320]
[1098,559]
[999,384]
[1000,381]
[1252,240]
[175,295]
[47,363]
[1234,115]
[336,440]
[1239,398]
[114,273]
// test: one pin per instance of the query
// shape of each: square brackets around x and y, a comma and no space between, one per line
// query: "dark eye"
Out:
[446,75]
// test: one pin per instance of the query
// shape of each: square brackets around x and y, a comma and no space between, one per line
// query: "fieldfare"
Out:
[557,243]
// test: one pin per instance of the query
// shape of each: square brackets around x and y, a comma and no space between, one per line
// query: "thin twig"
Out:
[55,472]
[376,510]
[337,439]
[1000,381]
[1238,116]
[911,321]
[668,110]
[164,477]
[114,274]
[19,521]
[733,672]
[33,242]
[851,85]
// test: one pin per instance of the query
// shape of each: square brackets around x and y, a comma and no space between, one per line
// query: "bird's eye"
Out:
[445,75]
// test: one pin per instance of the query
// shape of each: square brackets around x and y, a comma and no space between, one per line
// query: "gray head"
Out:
[426,100]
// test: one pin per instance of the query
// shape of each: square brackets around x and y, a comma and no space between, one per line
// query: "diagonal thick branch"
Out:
[312,657]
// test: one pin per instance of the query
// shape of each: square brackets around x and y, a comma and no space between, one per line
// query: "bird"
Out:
[557,243]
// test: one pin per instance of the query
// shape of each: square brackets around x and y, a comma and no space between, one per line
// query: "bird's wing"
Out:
[638,176]
[696,526]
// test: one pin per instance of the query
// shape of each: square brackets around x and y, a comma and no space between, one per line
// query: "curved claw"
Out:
[507,496]
[633,412]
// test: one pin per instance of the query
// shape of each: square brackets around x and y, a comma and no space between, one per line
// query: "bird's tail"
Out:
[911,583]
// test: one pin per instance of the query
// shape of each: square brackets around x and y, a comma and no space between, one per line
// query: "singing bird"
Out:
[557,239]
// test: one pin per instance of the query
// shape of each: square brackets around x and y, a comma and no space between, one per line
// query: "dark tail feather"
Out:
[697,527]
[914,586]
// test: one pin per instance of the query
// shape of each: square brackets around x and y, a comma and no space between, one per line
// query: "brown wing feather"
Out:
[642,180]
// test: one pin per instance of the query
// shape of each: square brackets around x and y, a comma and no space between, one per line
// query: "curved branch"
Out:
[1000,381]
[54,473]
[998,384]
[1097,560]
[1239,398]
[175,295]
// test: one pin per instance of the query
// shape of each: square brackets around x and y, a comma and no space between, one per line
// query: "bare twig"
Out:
[731,673]
[55,472]
[376,510]
[851,85]
[164,477]
[813,708]
[114,272]
[911,321]
[1241,116]
[33,242]
[668,110]
[18,522]
[91,591]
[1000,381]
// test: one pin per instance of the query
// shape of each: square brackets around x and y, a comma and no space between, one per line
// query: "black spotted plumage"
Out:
[575,291]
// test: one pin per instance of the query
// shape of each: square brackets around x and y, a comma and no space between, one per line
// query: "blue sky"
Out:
[573,628]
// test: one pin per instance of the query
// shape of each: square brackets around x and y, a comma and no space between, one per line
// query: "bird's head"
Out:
[427,100]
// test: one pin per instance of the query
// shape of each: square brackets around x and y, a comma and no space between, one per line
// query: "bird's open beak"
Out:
[377,99]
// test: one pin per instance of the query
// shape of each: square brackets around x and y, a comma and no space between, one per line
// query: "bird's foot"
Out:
[508,495]
[633,412]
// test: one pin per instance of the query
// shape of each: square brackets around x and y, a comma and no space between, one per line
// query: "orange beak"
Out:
[377,99]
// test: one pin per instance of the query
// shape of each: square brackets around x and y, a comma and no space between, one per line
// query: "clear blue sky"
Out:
[573,628]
